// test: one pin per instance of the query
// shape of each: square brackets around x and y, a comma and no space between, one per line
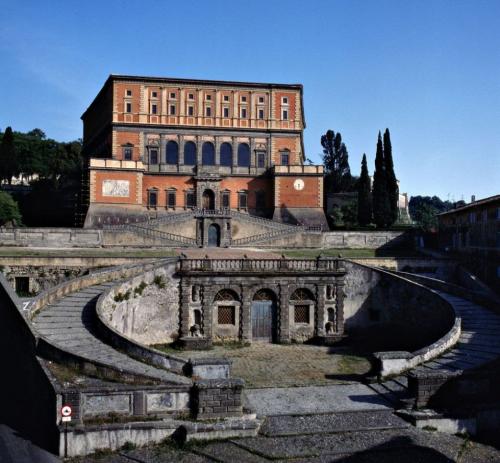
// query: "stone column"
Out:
[320,310]
[199,146]
[185,300]
[208,297]
[217,151]
[246,315]
[182,142]
[284,314]
[253,161]
[235,152]
[163,151]
[339,305]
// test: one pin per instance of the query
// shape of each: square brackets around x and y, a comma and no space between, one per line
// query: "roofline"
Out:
[479,202]
[177,80]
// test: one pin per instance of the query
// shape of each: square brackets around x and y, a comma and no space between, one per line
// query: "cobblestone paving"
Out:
[389,446]
[275,365]
[69,324]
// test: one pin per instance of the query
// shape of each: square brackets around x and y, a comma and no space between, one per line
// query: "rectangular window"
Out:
[261,113]
[190,110]
[190,199]
[208,97]
[284,100]
[243,113]
[285,159]
[226,315]
[244,99]
[127,153]
[225,200]
[154,94]
[261,99]
[208,111]
[261,159]
[153,156]
[172,110]
[190,96]
[226,97]
[152,198]
[301,314]
[172,95]
[284,114]
[128,107]
[154,109]
[225,111]
[128,93]
[171,199]
[242,199]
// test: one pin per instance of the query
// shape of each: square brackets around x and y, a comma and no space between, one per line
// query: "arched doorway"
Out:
[208,200]
[213,235]
[264,316]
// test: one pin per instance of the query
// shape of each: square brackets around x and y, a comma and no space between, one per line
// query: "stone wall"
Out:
[50,237]
[146,308]
[375,298]
[218,398]
[27,399]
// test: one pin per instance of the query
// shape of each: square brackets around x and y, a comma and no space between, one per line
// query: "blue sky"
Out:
[428,70]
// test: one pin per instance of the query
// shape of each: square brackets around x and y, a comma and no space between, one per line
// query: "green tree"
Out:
[424,210]
[364,195]
[9,210]
[381,204]
[336,162]
[392,183]
[8,160]
[350,213]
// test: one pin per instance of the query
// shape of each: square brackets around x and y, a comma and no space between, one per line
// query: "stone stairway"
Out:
[166,238]
[70,325]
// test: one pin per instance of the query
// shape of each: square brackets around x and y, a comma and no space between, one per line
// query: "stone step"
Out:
[331,423]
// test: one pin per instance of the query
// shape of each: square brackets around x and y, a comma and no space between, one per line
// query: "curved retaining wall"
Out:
[375,297]
[123,342]
[48,350]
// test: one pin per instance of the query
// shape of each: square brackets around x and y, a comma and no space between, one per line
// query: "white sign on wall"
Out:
[116,188]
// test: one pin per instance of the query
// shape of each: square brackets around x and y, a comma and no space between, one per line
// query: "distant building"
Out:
[473,232]
[163,145]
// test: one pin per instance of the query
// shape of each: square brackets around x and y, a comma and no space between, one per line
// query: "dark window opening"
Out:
[128,107]
[197,317]
[153,156]
[242,200]
[285,158]
[208,111]
[261,114]
[154,109]
[172,152]
[190,199]
[225,200]
[226,315]
[152,199]
[22,286]
[127,153]
[208,154]
[190,110]
[171,199]
[261,159]
[225,112]
[301,314]
[172,110]
[226,155]
[189,153]
[243,155]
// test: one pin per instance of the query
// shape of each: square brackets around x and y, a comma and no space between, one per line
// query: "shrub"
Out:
[139,289]
[159,281]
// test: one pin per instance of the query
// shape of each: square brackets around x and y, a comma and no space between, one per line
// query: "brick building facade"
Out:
[473,233]
[160,146]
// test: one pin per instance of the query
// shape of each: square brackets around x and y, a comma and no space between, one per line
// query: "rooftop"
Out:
[479,202]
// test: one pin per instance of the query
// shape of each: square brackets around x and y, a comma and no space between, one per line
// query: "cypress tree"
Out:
[381,205]
[8,164]
[392,183]
[336,162]
[364,195]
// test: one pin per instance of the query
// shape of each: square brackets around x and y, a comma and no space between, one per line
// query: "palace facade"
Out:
[159,146]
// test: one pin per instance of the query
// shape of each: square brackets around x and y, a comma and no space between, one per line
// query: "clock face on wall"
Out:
[298,184]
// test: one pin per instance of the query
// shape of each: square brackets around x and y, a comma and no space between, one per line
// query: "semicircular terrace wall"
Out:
[376,298]
[144,308]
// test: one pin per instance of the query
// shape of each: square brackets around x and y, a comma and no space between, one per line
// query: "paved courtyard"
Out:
[277,365]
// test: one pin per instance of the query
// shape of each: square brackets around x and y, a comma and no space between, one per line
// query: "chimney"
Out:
[473,199]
